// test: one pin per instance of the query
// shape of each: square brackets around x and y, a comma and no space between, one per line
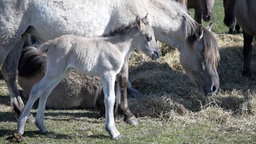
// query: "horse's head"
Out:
[228,11]
[145,40]
[207,6]
[200,60]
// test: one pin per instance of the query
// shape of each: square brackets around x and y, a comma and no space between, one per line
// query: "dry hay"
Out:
[169,92]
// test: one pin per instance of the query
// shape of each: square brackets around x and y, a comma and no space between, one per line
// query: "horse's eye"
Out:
[148,37]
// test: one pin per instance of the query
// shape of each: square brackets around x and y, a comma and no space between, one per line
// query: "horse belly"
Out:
[55,18]
[245,13]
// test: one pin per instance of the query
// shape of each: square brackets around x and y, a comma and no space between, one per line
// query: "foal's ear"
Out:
[145,19]
[138,20]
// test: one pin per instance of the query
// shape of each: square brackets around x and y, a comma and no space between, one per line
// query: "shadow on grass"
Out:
[101,136]
[5,100]
[32,134]
[7,117]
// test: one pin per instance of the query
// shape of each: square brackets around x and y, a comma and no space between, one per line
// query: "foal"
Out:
[102,56]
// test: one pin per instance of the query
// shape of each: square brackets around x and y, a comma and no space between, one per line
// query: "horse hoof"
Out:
[246,73]
[15,137]
[132,121]
[118,137]
[30,119]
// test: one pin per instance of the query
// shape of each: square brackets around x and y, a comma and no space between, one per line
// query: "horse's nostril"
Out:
[213,88]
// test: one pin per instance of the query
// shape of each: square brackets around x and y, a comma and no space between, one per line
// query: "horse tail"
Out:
[32,62]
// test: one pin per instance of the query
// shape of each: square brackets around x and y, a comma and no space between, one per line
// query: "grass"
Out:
[172,110]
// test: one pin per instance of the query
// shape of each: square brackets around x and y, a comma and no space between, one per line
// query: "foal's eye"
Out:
[148,37]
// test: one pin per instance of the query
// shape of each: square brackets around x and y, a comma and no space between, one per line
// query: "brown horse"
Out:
[203,8]
[229,19]
[245,13]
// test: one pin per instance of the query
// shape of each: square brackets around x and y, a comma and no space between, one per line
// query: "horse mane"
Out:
[121,30]
[211,52]
[210,46]
[32,61]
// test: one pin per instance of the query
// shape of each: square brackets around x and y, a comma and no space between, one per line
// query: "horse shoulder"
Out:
[111,57]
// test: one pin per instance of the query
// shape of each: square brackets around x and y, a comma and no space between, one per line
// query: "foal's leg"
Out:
[9,71]
[123,82]
[108,84]
[50,84]
[247,52]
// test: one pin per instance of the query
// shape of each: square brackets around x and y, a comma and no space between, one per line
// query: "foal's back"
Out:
[88,55]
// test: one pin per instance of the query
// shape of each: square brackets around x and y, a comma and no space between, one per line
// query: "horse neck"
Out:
[124,41]
[171,23]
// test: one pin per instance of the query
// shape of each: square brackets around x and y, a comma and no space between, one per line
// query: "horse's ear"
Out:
[145,19]
[197,35]
[138,20]
[209,27]
[199,32]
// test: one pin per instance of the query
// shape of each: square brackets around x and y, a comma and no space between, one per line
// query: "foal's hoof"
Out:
[132,121]
[118,137]
[30,119]
[15,137]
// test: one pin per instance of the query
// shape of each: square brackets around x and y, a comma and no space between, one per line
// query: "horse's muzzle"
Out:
[209,91]
[156,55]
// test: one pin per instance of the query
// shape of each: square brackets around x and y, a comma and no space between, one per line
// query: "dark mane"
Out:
[32,61]
[121,30]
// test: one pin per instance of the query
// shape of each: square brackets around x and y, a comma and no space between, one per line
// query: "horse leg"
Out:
[9,70]
[108,84]
[237,27]
[122,79]
[247,52]
[198,15]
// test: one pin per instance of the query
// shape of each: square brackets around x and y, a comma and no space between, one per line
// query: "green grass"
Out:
[218,13]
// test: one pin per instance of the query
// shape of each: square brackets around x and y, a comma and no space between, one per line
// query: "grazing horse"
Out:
[171,23]
[245,13]
[101,56]
[184,34]
[229,19]
[203,8]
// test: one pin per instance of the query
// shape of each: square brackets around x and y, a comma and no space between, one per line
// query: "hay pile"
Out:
[169,92]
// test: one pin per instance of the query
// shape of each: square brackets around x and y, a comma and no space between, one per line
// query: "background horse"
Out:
[203,8]
[102,56]
[229,19]
[245,13]
[171,23]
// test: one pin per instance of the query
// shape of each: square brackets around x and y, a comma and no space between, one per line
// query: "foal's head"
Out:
[145,39]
